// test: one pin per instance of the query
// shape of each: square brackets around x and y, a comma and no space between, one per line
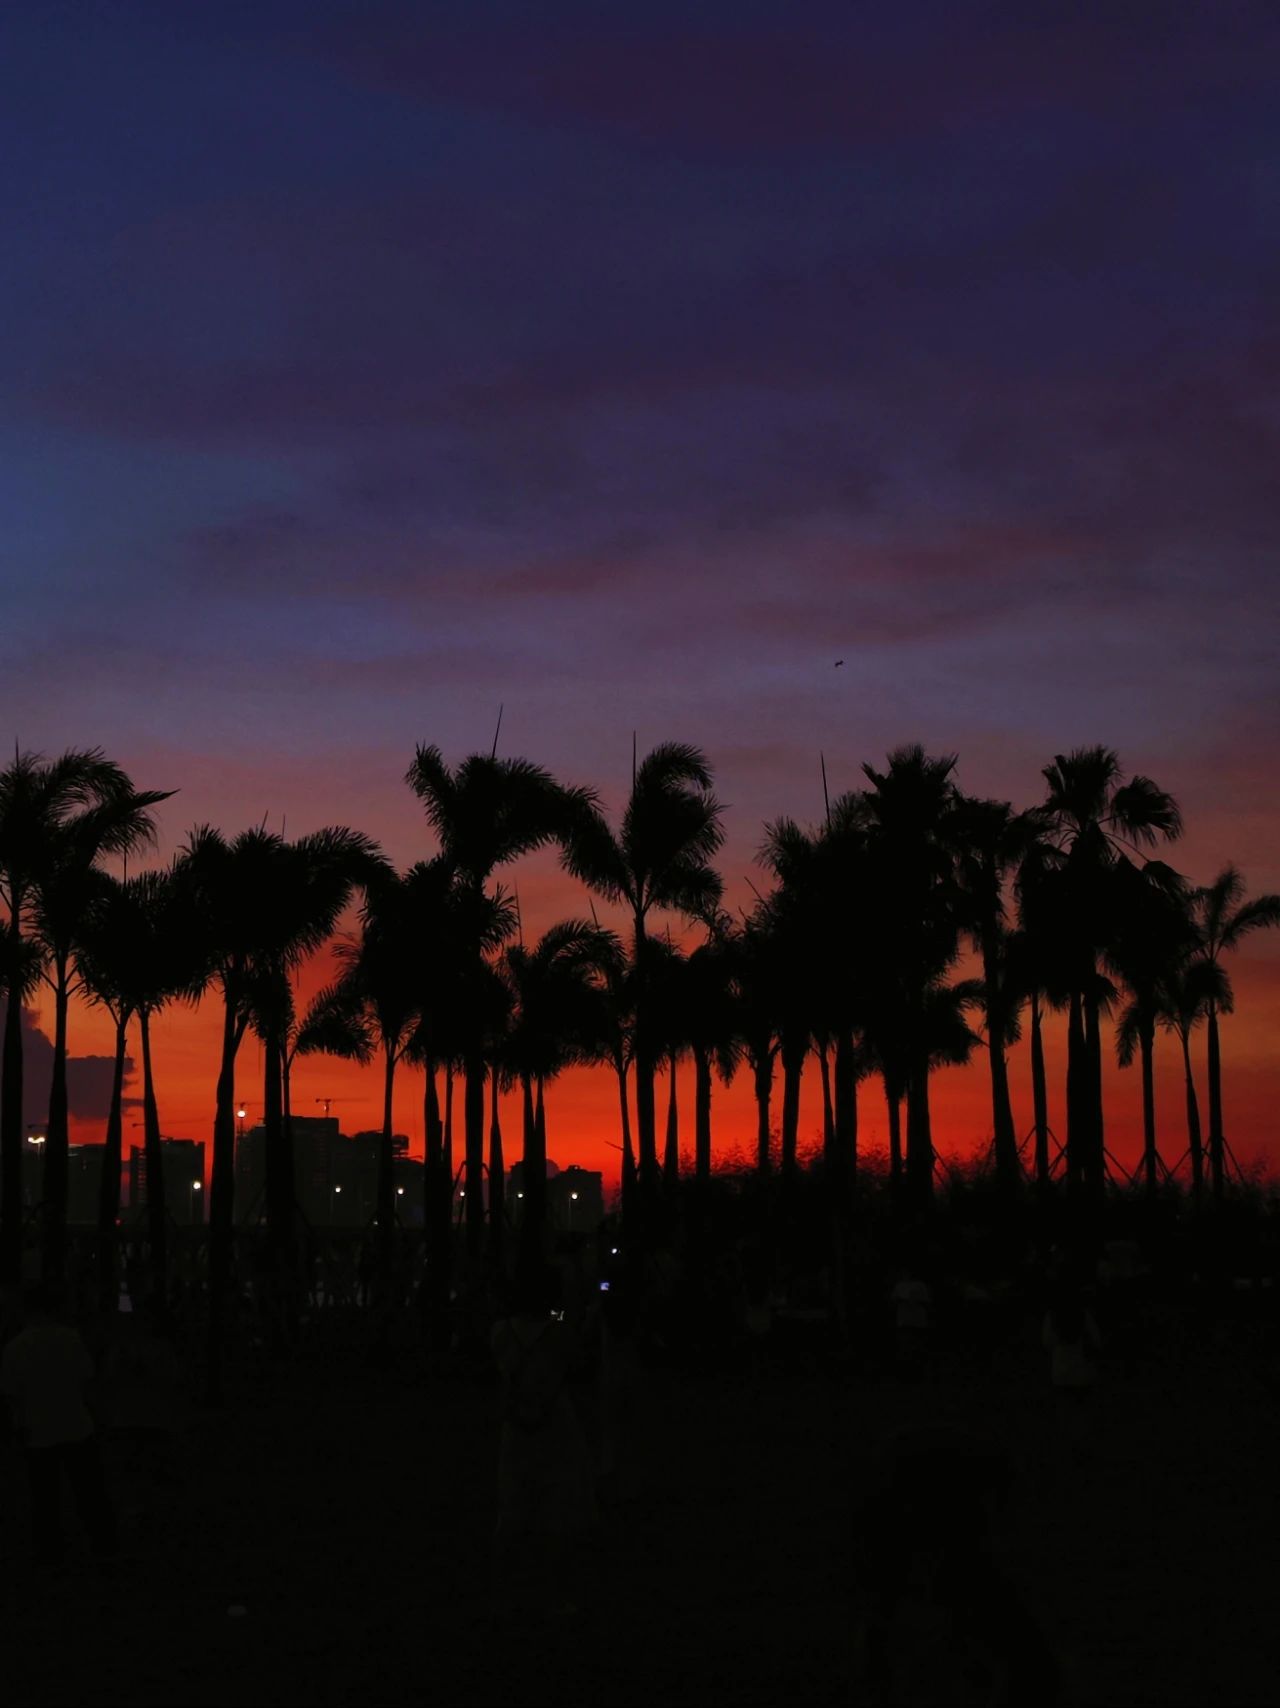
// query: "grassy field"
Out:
[348,1510]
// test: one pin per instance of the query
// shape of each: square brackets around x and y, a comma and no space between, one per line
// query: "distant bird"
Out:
[837,664]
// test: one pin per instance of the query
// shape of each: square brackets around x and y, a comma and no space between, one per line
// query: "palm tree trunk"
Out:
[222,1194]
[793,1055]
[919,1130]
[828,1113]
[533,1172]
[1004,1133]
[12,1135]
[846,1110]
[764,1094]
[1039,1094]
[54,1185]
[1093,1083]
[157,1229]
[1077,1116]
[702,1114]
[473,1138]
[109,1181]
[671,1154]
[280,1188]
[1217,1142]
[1150,1155]
[646,1068]
[436,1193]
[540,1120]
[1193,1120]
[629,1180]
[893,1099]
[386,1188]
[497,1173]
[448,1127]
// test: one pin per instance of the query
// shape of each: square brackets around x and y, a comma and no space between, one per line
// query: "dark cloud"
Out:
[89,1078]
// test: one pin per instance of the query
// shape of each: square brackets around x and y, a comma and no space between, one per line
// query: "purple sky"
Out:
[365,366]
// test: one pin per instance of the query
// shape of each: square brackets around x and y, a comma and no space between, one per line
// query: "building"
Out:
[575,1197]
[182,1161]
[84,1172]
[335,1178]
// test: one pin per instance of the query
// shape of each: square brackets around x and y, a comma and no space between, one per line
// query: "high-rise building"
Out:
[335,1178]
[182,1161]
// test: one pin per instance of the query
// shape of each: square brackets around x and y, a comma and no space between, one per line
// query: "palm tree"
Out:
[104,960]
[994,843]
[1184,1002]
[755,1021]
[57,818]
[709,1027]
[1093,815]
[559,1017]
[1151,936]
[657,861]
[1225,919]
[20,969]
[913,848]
[486,813]
[825,896]
[263,905]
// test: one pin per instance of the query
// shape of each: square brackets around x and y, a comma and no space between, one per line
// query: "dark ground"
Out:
[349,1510]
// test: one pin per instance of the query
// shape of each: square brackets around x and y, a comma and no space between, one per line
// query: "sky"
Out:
[366,367]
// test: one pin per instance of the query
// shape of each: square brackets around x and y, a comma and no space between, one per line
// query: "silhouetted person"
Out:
[925,1537]
[545,1499]
[44,1376]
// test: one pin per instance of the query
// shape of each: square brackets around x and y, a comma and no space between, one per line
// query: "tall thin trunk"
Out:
[54,1186]
[109,1181]
[1150,1155]
[919,1129]
[222,1192]
[540,1119]
[701,1114]
[793,1054]
[448,1123]
[12,1133]
[828,1112]
[533,1171]
[893,1101]
[646,1068]
[497,1172]
[473,1137]
[1004,1133]
[671,1153]
[1217,1141]
[629,1176]
[763,1074]
[386,1182]
[157,1229]
[436,1192]
[1193,1120]
[846,1109]
[280,1188]
[1078,1138]
[1093,1059]
[1039,1094]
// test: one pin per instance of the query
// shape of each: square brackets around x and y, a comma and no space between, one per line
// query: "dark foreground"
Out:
[348,1511]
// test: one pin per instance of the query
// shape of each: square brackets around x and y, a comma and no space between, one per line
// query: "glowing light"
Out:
[574,1196]
[197,1185]
[399,1191]
[337,1189]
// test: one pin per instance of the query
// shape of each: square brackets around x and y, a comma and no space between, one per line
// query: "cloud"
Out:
[89,1078]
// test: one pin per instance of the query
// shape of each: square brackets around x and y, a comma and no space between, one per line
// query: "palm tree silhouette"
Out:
[487,813]
[1093,814]
[559,1018]
[994,843]
[58,818]
[1151,934]
[1225,919]
[1185,996]
[658,860]
[104,959]
[709,1028]
[913,848]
